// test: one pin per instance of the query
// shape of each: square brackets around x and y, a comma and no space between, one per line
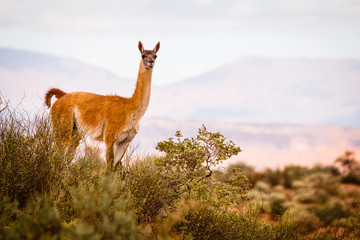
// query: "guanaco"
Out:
[110,119]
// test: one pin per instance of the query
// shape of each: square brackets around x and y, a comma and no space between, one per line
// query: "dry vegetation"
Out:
[177,196]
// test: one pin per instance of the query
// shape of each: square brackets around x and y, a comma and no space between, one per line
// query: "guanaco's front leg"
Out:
[120,150]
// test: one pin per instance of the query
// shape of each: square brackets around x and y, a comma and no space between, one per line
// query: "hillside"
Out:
[28,75]
[264,90]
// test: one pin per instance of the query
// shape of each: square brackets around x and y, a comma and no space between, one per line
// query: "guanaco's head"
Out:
[148,56]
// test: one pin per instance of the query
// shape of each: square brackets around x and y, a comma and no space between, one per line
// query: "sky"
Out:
[196,36]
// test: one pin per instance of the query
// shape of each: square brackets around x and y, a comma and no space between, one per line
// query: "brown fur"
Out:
[111,119]
[53,91]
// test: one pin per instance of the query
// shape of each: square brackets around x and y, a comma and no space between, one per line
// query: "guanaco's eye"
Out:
[155,56]
[143,56]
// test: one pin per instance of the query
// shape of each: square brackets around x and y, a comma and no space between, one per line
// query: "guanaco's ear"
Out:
[157,47]
[141,47]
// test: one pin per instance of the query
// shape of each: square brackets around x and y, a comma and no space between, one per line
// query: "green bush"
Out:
[277,205]
[85,171]
[332,170]
[149,191]
[210,223]
[323,181]
[278,188]
[350,167]
[311,195]
[8,212]
[331,211]
[298,184]
[307,221]
[250,173]
[38,220]
[29,164]
[272,204]
[193,158]
[188,164]
[353,176]
[102,213]
[262,186]
[293,173]
[273,177]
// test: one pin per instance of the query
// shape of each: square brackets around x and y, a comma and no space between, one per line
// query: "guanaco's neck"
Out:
[141,96]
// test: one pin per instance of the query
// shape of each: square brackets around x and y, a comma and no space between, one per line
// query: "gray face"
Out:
[148,58]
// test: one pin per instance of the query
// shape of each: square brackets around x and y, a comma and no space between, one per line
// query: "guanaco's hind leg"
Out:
[109,156]
[74,143]
[67,136]
[109,142]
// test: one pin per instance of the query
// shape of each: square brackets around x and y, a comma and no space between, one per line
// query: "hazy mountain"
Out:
[265,90]
[28,75]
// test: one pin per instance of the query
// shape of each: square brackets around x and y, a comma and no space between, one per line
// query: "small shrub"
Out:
[299,184]
[307,221]
[277,207]
[188,164]
[29,164]
[8,212]
[323,181]
[149,191]
[278,195]
[38,220]
[349,166]
[250,173]
[210,223]
[353,176]
[101,210]
[347,162]
[332,170]
[278,188]
[193,158]
[293,173]
[85,171]
[262,186]
[273,177]
[310,195]
[331,211]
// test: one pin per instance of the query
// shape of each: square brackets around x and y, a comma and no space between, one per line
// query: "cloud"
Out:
[185,16]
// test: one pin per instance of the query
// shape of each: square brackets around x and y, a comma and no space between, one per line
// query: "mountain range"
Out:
[26,76]
[264,90]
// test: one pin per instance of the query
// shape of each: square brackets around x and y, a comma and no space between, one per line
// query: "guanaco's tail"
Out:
[53,91]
